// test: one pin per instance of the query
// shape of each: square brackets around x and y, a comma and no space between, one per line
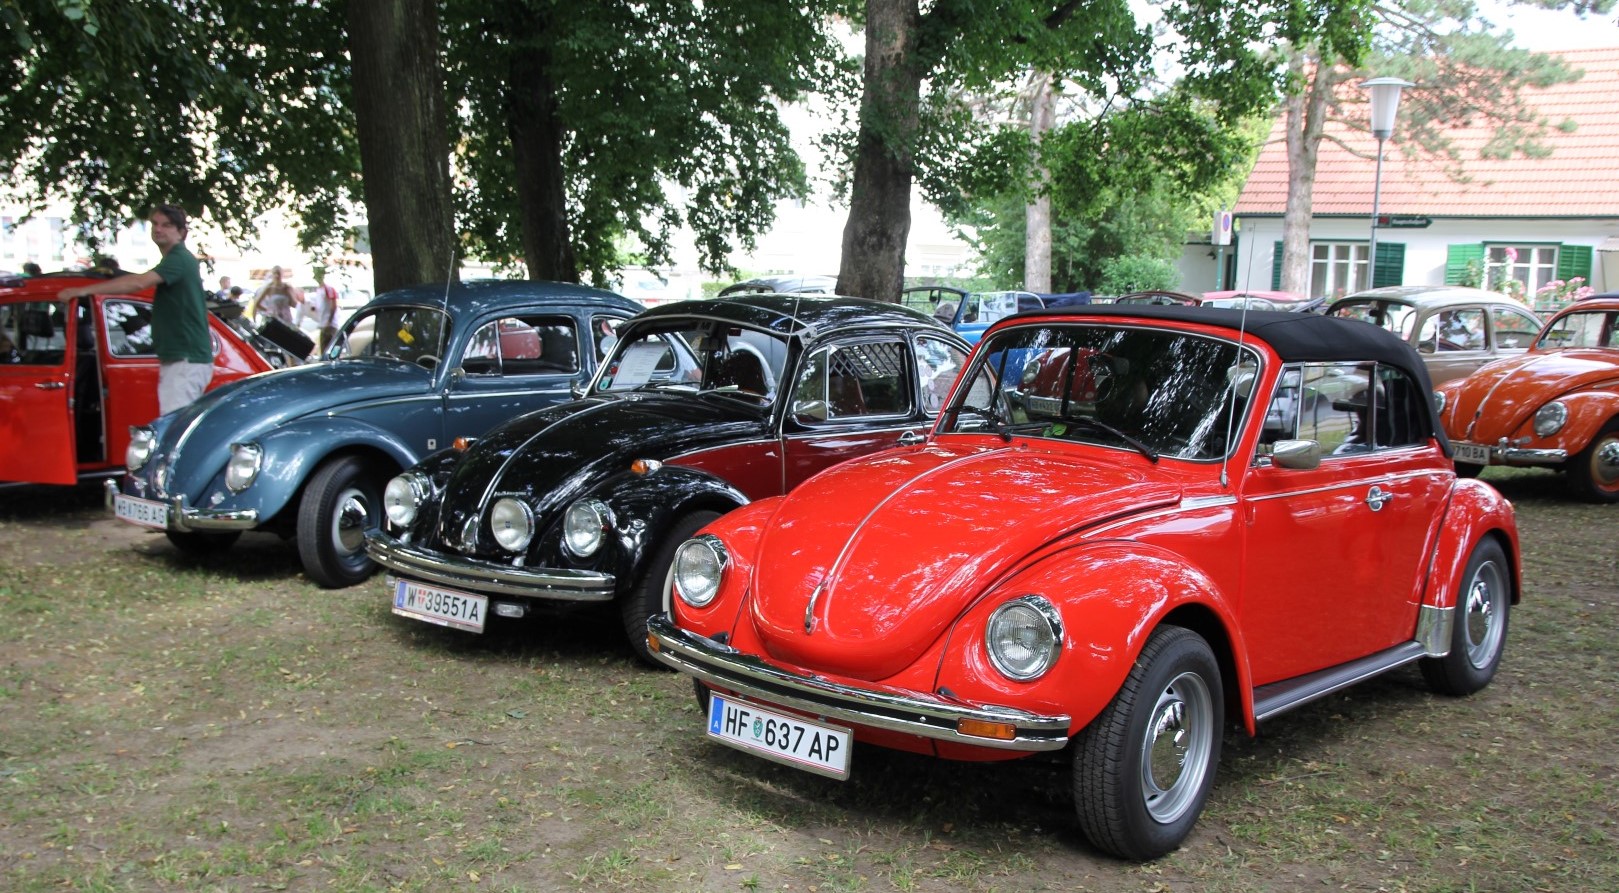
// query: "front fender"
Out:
[740,532]
[1588,411]
[1111,596]
[646,506]
[1476,510]
[292,452]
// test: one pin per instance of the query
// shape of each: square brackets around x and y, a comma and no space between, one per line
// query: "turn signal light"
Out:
[978,728]
[645,466]
[463,443]
[652,643]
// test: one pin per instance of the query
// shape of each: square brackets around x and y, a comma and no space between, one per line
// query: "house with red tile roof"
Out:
[1535,219]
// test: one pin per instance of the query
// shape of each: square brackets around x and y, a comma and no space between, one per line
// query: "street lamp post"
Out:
[1385,104]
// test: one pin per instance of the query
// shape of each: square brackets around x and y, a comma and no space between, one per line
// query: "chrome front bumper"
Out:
[913,713]
[487,577]
[1501,454]
[183,518]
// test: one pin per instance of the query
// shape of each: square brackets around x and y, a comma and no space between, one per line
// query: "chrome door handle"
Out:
[911,438]
[1377,497]
[49,385]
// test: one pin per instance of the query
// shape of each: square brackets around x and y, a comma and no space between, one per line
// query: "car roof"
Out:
[472,298]
[18,288]
[1429,296]
[811,284]
[794,314]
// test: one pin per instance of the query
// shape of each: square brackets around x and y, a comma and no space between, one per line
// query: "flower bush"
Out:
[1561,293]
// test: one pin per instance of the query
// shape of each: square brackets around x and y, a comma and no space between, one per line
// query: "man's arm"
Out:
[129,283]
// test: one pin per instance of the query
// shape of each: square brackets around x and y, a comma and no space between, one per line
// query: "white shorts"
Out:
[180,382]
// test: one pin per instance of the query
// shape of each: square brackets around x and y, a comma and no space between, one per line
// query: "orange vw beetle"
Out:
[1555,406]
[1130,525]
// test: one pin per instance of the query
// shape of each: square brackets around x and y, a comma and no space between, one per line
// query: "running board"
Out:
[1280,697]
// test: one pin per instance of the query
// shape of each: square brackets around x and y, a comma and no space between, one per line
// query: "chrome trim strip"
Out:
[913,713]
[486,577]
[1280,697]
[1203,502]
[1434,628]
[1368,481]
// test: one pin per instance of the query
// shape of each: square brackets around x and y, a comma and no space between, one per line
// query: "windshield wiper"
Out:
[1098,424]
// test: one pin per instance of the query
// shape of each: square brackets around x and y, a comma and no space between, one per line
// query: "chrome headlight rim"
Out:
[699,569]
[403,496]
[242,469]
[1044,617]
[585,525]
[1550,419]
[142,442]
[1439,401]
[511,523]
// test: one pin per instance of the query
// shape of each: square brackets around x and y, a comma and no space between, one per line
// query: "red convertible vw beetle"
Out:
[1168,467]
[1556,406]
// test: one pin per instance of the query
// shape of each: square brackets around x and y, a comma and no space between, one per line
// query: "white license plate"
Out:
[144,512]
[775,736]
[445,607]
[1472,453]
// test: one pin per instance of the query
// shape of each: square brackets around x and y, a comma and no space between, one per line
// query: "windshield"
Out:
[410,334]
[696,355]
[1159,392]
[1587,328]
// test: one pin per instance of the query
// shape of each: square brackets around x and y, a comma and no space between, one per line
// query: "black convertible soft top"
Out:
[1296,337]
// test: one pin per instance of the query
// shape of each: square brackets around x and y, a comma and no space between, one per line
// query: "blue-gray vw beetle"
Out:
[305,451]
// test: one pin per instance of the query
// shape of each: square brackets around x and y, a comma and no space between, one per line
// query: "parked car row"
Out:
[807,503]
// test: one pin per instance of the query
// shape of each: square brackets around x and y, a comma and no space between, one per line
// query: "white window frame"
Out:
[1536,265]
[1345,266]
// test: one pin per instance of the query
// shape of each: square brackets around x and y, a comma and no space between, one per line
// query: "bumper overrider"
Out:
[184,518]
[908,712]
[486,577]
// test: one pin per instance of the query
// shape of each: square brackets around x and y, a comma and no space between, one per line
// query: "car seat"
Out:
[743,371]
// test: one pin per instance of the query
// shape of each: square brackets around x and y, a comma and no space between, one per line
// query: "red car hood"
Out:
[1508,391]
[894,548]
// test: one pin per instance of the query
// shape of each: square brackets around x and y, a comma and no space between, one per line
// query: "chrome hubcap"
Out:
[1605,464]
[1484,611]
[348,526]
[1175,749]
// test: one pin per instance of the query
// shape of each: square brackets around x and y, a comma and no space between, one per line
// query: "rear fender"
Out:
[1476,510]
[1111,596]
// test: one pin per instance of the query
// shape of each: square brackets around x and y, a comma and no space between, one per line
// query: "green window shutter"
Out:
[1574,260]
[1388,267]
[1276,268]
[1457,257]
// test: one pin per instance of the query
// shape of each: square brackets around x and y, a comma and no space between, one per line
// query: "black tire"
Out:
[1468,470]
[645,598]
[341,504]
[1138,793]
[201,544]
[1479,633]
[1593,473]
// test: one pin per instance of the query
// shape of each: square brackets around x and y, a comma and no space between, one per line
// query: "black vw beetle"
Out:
[699,408]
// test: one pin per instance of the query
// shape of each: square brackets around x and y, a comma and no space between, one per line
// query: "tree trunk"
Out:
[404,162]
[873,262]
[1037,216]
[1306,116]
[537,136]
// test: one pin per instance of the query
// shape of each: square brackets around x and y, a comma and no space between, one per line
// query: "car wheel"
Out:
[646,597]
[1143,768]
[1468,470]
[200,544]
[1593,473]
[1479,632]
[341,503]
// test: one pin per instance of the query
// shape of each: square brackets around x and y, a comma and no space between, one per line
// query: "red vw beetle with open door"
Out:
[1130,526]
[74,377]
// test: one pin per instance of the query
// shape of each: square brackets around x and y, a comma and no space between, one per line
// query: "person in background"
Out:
[180,337]
[235,294]
[225,291]
[29,268]
[275,299]
[325,314]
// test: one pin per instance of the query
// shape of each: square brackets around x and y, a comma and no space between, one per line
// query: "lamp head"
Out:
[1385,103]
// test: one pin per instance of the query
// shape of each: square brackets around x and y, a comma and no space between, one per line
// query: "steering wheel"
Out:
[427,361]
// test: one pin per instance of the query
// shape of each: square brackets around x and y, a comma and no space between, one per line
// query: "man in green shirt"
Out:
[180,336]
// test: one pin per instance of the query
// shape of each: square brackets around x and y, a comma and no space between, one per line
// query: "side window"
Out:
[604,332]
[937,365]
[1461,329]
[482,356]
[1332,406]
[129,328]
[1402,417]
[1514,328]
[33,334]
[851,380]
[527,345]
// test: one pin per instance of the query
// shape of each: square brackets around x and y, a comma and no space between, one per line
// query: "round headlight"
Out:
[1549,419]
[141,443]
[699,568]
[512,523]
[403,497]
[1439,400]
[1024,637]
[585,526]
[245,461]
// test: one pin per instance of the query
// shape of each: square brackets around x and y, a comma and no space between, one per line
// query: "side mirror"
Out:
[810,410]
[1300,455]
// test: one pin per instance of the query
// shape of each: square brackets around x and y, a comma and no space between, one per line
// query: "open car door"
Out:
[36,383]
